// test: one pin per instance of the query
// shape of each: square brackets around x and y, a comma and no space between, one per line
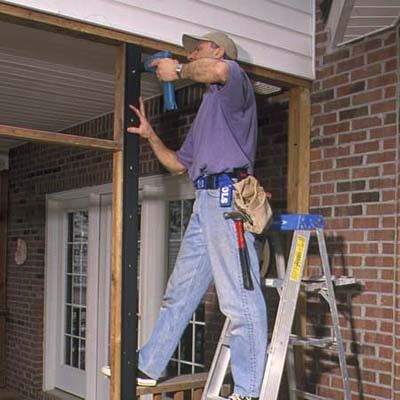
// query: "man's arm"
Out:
[166,156]
[204,70]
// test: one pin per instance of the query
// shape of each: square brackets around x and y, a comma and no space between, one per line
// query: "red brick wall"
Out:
[355,185]
[34,171]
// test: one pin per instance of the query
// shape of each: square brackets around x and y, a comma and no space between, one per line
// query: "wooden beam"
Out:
[299,150]
[276,78]
[116,273]
[116,37]
[14,132]
[3,272]
[298,189]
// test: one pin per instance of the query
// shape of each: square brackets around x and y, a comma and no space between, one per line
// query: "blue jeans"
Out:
[209,251]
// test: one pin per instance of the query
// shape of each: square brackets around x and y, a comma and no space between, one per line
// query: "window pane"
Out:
[67,350]
[75,289]
[175,220]
[84,258]
[186,344]
[75,321]
[82,354]
[68,323]
[173,368]
[75,353]
[82,332]
[199,314]
[199,344]
[185,369]
[68,289]
[186,213]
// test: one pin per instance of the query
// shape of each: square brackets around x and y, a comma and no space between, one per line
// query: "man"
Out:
[220,146]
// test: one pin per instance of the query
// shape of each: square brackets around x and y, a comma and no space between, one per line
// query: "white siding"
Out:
[277,34]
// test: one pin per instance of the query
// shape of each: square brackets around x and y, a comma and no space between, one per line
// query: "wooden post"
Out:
[116,274]
[3,274]
[299,186]
[299,150]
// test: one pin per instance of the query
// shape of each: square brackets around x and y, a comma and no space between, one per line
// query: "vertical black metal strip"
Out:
[130,227]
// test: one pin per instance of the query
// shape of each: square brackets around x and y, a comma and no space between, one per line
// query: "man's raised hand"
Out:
[144,129]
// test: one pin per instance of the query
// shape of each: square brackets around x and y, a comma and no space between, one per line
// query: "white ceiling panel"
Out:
[50,81]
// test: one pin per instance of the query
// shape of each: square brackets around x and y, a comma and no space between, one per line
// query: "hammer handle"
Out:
[244,256]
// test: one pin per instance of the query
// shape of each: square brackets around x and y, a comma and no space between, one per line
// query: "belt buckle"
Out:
[201,182]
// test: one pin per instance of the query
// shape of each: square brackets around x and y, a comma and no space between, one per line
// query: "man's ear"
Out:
[220,52]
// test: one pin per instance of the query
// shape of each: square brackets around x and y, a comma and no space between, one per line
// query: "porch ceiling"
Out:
[50,81]
[352,19]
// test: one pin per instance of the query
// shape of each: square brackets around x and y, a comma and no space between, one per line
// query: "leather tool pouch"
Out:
[250,198]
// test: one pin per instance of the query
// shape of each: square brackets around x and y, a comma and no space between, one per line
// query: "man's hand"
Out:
[144,129]
[166,69]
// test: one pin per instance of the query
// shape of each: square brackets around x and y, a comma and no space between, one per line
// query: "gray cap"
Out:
[219,38]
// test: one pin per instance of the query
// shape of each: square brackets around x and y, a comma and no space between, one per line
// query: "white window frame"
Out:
[79,383]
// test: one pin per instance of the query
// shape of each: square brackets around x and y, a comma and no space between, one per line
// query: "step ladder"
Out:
[290,280]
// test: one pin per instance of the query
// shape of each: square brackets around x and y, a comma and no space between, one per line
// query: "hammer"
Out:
[238,218]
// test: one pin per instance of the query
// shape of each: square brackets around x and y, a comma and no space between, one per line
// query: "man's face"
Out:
[205,49]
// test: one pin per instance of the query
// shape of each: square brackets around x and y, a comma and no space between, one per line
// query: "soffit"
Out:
[350,20]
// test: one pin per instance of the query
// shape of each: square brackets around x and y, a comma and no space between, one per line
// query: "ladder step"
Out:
[312,284]
[322,342]
[309,396]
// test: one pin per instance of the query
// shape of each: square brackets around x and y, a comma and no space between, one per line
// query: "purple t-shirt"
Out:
[223,135]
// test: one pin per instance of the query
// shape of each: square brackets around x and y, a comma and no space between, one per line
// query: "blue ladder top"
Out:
[297,222]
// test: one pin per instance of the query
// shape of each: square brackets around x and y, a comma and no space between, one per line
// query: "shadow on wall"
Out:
[321,360]
[318,361]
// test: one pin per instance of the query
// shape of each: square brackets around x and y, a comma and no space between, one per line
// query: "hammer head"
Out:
[237,216]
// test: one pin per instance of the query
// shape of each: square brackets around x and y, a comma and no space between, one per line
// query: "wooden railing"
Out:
[177,387]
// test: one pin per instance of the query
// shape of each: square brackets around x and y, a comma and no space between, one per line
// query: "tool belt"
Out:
[216,181]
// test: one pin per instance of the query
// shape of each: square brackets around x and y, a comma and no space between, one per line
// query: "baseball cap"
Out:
[219,38]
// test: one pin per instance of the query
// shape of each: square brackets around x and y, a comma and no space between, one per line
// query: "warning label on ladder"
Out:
[295,274]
